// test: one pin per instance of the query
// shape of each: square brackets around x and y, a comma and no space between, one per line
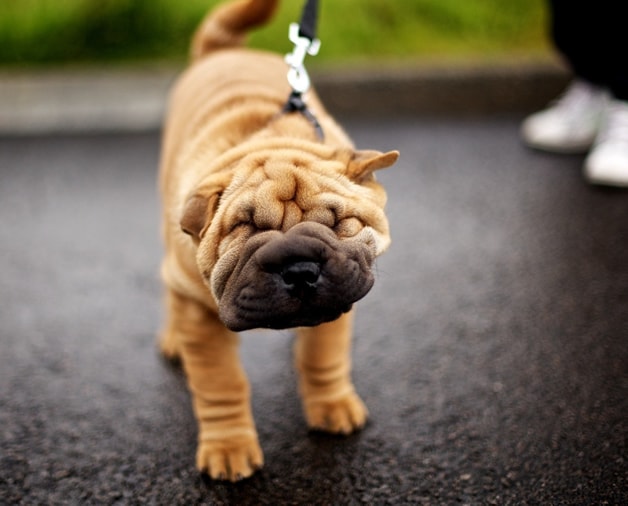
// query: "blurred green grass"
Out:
[36,32]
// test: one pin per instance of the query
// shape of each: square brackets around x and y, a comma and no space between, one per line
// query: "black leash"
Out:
[309,20]
[305,42]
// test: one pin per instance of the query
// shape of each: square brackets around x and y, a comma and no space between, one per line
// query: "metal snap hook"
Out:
[298,77]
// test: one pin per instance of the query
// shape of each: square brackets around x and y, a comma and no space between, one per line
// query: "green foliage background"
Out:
[70,31]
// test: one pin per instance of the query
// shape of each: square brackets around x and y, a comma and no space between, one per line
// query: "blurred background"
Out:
[53,32]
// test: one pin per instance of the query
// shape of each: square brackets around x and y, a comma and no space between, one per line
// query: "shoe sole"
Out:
[604,181]
[573,149]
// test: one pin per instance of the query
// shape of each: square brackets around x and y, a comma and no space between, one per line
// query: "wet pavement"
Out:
[492,351]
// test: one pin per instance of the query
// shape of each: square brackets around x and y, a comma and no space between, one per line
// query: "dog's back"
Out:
[228,97]
[231,94]
[221,73]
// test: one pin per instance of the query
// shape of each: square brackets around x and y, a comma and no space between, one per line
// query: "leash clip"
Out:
[298,77]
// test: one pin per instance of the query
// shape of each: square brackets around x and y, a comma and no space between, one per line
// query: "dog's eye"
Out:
[321,215]
[239,224]
[236,232]
[348,227]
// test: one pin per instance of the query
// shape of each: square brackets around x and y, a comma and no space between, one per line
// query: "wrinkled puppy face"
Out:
[291,240]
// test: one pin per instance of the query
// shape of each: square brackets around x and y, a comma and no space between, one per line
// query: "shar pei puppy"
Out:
[265,225]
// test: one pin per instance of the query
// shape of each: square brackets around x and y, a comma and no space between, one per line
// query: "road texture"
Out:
[492,351]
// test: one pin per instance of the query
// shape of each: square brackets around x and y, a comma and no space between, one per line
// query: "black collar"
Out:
[296,103]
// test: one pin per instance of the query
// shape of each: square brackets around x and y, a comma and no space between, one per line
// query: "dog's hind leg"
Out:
[323,361]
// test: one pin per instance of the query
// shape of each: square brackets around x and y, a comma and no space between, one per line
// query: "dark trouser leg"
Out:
[591,36]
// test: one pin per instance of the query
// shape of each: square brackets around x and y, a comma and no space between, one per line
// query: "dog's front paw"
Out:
[233,458]
[343,415]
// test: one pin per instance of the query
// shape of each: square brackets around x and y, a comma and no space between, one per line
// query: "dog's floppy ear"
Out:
[363,163]
[197,213]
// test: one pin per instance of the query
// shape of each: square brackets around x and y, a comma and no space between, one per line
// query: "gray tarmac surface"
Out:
[492,351]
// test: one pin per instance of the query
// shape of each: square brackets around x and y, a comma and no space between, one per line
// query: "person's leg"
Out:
[591,37]
[574,31]
[593,113]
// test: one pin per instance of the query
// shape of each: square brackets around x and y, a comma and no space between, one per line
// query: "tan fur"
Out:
[236,175]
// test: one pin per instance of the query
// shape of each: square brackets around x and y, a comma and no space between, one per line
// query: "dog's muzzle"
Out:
[303,277]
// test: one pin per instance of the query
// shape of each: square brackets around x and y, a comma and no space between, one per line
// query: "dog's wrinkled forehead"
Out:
[274,190]
[276,193]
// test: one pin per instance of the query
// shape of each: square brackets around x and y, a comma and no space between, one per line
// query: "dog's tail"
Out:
[227,25]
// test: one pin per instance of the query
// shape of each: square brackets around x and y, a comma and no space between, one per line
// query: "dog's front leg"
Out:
[324,365]
[228,445]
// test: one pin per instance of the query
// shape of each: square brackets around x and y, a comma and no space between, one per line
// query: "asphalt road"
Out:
[492,352]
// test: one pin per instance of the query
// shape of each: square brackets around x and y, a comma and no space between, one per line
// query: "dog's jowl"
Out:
[264,225]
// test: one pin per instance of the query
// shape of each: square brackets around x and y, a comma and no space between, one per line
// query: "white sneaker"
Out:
[608,161]
[571,123]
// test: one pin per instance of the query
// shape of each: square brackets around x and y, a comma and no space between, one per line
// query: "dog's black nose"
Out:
[301,275]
